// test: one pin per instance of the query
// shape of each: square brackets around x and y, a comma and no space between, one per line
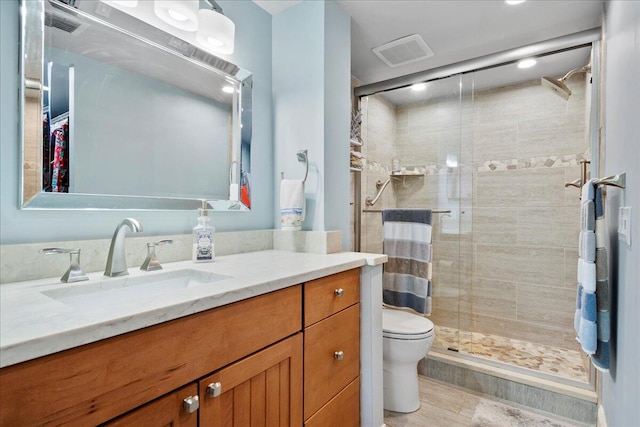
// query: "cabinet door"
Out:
[168,410]
[263,390]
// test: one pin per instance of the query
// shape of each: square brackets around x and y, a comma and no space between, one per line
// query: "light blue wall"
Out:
[621,386]
[311,86]
[337,125]
[252,52]
[298,103]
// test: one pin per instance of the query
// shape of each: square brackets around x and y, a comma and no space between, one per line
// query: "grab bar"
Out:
[380,186]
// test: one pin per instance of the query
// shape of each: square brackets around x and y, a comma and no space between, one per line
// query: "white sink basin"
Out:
[124,289]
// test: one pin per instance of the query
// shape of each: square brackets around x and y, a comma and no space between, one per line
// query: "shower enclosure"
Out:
[490,150]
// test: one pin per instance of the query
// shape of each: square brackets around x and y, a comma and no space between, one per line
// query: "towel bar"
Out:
[619,180]
[436,211]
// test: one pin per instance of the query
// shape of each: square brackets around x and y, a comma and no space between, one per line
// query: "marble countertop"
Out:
[33,324]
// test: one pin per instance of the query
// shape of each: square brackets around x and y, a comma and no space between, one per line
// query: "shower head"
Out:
[559,86]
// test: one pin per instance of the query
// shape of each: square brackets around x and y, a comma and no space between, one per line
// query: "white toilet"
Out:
[406,338]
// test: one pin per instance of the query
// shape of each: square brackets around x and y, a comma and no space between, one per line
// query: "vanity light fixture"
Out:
[182,14]
[215,31]
[527,63]
[418,87]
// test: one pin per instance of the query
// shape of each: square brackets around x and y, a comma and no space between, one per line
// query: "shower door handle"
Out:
[578,183]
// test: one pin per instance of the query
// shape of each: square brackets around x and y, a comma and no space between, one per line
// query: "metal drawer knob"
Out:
[214,389]
[191,404]
[338,355]
[339,292]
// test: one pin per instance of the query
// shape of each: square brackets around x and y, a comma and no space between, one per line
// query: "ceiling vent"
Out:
[62,23]
[403,51]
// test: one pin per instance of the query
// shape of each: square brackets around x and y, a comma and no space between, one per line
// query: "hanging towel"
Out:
[292,204]
[592,318]
[407,274]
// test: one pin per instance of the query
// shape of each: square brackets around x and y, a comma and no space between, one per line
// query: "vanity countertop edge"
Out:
[33,325]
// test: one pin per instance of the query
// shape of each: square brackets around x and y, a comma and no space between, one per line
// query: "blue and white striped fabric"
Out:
[592,318]
[407,274]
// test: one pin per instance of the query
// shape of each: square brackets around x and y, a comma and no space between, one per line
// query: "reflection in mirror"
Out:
[119,114]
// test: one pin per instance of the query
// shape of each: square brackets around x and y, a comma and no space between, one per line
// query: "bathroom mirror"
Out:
[119,114]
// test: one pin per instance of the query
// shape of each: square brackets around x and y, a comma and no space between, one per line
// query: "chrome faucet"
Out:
[117,261]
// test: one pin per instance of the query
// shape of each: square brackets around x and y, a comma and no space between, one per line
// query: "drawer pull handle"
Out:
[339,292]
[214,389]
[191,404]
[338,355]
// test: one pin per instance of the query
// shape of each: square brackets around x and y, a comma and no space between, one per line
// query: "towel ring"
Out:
[302,157]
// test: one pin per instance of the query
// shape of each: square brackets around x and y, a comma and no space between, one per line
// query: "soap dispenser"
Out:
[203,247]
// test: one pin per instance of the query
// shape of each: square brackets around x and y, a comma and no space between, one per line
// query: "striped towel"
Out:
[592,319]
[407,274]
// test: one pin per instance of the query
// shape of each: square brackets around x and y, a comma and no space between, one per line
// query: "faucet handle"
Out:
[152,263]
[74,273]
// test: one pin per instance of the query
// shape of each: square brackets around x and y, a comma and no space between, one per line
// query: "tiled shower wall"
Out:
[504,259]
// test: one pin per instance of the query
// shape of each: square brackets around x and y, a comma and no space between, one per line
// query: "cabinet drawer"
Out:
[328,295]
[324,373]
[94,383]
[343,410]
[164,411]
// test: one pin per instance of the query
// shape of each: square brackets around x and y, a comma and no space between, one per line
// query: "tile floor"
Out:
[446,405]
[550,360]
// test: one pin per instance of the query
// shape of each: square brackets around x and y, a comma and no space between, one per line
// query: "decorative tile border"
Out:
[565,161]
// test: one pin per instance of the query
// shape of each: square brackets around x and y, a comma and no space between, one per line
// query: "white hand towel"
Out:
[292,204]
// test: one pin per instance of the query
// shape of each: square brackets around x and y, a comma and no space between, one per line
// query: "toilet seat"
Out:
[397,324]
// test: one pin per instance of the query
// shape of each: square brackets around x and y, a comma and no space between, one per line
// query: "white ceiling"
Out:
[458,30]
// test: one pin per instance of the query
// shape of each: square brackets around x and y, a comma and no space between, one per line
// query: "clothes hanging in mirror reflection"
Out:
[58,150]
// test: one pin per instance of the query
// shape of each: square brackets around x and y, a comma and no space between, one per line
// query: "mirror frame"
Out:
[31,95]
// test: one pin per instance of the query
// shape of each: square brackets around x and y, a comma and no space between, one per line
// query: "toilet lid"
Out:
[403,325]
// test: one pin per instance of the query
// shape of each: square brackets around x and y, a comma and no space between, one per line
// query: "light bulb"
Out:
[214,42]
[526,63]
[176,15]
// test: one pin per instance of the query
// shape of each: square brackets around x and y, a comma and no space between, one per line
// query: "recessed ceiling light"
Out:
[526,63]
[512,2]
[418,87]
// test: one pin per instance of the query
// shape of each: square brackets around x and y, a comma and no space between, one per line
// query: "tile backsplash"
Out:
[25,261]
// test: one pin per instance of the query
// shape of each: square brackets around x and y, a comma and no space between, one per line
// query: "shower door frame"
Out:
[578,40]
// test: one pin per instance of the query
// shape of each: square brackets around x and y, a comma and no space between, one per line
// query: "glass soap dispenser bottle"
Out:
[203,246]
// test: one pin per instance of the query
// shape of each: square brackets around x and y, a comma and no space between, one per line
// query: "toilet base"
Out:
[401,391]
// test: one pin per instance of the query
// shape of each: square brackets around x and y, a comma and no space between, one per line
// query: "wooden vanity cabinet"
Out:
[256,362]
[332,350]
[97,382]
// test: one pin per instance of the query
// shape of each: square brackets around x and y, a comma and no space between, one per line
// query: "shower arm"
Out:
[380,186]
[585,69]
